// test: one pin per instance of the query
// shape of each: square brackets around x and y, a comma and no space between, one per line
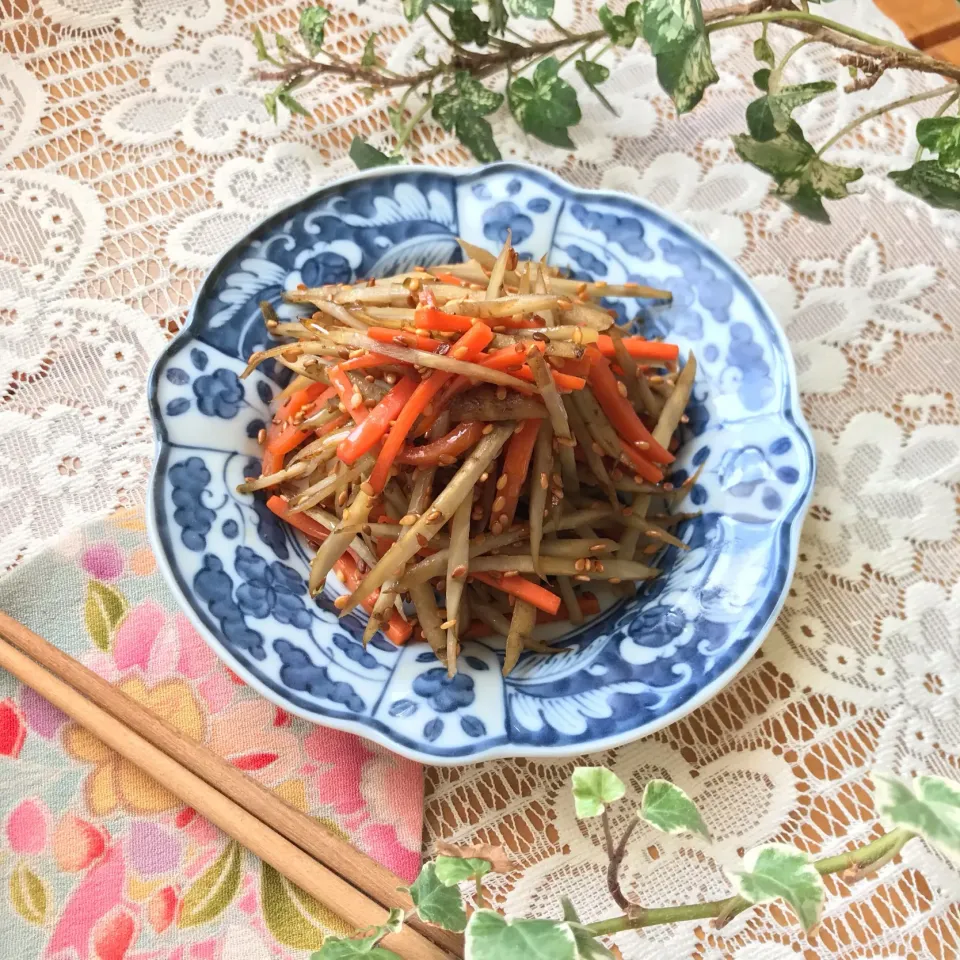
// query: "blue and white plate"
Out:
[240,573]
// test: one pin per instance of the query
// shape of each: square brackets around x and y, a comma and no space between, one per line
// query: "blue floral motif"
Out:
[230,529]
[189,479]
[445,694]
[177,376]
[214,586]
[746,355]
[300,673]
[591,265]
[254,427]
[715,294]
[505,216]
[177,406]
[326,267]
[271,590]
[219,394]
[538,205]
[355,652]
[264,391]
[199,359]
[628,232]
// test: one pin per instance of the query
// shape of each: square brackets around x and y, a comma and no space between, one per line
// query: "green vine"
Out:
[485,64]
[929,807]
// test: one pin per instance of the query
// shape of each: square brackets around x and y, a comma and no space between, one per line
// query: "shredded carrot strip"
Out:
[640,349]
[474,340]
[589,607]
[533,593]
[430,318]
[516,463]
[644,467]
[460,439]
[620,412]
[282,436]
[403,338]
[514,361]
[370,360]
[346,390]
[396,629]
[371,429]
[305,524]
[451,279]
[335,424]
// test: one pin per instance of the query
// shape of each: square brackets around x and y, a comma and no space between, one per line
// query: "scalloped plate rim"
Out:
[791,524]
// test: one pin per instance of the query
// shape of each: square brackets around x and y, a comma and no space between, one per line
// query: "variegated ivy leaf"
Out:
[623,29]
[772,114]
[667,808]
[928,181]
[369,58]
[545,105]
[587,945]
[462,107]
[931,808]
[777,871]
[412,9]
[437,903]
[802,177]
[762,49]
[594,788]
[941,135]
[675,31]
[534,9]
[490,936]
[592,72]
[454,870]
[312,22]
[467,27]
[365,156]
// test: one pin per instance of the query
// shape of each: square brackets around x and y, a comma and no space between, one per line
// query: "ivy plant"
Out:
[928,807]
[484,63]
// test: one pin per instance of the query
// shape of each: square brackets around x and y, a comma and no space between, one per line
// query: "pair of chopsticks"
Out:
[346,881]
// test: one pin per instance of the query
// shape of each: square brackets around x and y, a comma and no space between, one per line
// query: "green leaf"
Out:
[569,910]
[931,808]
[467,27]
[545,105]
[762,50]
[369,57]
[270,104]
[675,31]
[467,97]
[312,21]
[437,903]
[802,177]
[103,610]
[778,871]
[931,183]
[498,16]
[587,945]
[667,808]
[622,29]
[941,135]
[294,917]
[412,9]
[28,894]
[214,890]
[761,79]
[490,936]
[477,136]
[534,9]
[260,46]
[772,114]
[292,104]
[594,788]
[284,47]
[365,156]
[593,73]
[454,870]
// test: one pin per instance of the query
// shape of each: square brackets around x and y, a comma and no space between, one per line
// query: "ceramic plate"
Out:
[240,573]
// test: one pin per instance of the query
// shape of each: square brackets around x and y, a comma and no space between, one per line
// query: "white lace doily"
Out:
[135,150]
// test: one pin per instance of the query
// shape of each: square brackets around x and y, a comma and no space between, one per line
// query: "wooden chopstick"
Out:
[350,883]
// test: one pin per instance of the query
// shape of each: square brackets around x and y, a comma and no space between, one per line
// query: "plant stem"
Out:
[777,71]
[799,16]
[414,120]
[870,114]
[870,856]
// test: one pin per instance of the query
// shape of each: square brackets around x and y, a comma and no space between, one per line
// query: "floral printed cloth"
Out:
[98,861]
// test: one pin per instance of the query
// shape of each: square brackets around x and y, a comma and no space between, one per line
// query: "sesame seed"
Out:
[596,448]
[582,577]
[445,459]
[557,479]
[496,528]
[684,418]
[356,399]
[540,337]
[433,516]
[261,435]
[668,486]
[501,392]
[579,565]
[505,520]
[616,474]
[653,548]
[621,388]
[598,566]
[341,408]
[544,481]
[370,378]
[638,479]
[422,331]
[367,488]
[272,324]
[488,429]
[641,444]
[346,517]
[566,441]
[341,602]
[390,378]
[408,519]
[249,479]
[476,513]
[499,504]
[502,482]
[614,580]
[341,498]
[460,352]
[655,534]
[290,355]
[627,511]
[597,548]
[511,573]
[353,354]
[577,335]
[448,624]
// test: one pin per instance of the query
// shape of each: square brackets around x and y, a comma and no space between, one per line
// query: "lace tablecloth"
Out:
[136,149]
